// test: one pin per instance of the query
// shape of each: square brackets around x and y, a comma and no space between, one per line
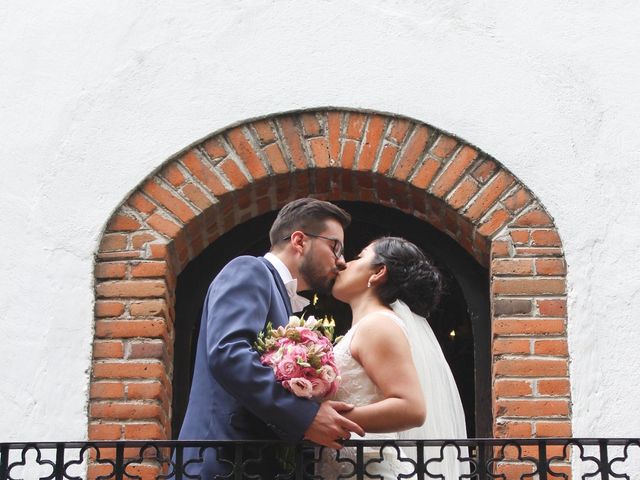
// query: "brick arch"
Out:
[256,167]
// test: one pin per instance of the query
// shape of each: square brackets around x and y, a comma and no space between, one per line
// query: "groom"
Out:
[233,396]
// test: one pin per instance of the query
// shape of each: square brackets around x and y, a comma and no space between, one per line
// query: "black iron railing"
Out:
[480,459]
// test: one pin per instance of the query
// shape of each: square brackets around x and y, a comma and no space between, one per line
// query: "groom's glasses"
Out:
[336,247]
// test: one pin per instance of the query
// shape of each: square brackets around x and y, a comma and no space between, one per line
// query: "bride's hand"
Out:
[329,427]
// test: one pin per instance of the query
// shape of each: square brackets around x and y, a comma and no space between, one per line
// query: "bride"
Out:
[392,367]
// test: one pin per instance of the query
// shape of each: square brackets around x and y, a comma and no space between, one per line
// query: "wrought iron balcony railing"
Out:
[507,459]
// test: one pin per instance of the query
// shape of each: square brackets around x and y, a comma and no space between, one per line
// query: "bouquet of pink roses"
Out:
[301,355]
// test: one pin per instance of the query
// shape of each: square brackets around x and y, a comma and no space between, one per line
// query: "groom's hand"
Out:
[329,427]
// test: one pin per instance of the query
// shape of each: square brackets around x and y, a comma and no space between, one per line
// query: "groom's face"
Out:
[319,266]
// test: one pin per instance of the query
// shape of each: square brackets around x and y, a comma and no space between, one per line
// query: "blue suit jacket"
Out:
[233,396]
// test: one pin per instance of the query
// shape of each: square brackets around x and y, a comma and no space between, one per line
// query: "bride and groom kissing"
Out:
[394,375]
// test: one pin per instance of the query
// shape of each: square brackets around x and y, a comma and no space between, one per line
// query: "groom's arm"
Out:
[237,308]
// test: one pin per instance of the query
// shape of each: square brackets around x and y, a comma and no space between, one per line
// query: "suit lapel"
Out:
[280,285]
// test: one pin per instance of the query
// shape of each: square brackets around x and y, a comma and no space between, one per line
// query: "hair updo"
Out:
[411,277]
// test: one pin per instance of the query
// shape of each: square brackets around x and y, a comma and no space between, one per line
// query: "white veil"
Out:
[445,415]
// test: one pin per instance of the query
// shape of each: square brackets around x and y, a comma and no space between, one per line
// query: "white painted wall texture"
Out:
[95,95]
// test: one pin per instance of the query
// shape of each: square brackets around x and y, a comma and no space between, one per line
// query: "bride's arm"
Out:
[383,350]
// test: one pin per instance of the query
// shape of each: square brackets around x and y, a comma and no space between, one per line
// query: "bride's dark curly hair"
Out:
[411,277]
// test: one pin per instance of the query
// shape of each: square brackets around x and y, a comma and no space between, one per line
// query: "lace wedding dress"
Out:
[444,409]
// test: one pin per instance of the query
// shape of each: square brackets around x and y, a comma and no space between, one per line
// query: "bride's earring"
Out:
[369,284]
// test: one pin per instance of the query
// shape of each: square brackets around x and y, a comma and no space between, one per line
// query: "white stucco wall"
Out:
[94,95]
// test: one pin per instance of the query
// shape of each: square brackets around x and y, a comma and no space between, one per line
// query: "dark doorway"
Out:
[464,308]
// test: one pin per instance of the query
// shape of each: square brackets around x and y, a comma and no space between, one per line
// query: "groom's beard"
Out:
[316,276]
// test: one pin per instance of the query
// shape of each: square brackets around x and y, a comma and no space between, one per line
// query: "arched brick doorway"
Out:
[258,166]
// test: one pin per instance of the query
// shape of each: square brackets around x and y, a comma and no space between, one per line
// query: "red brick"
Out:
[532,408]
[552,308]
[497,219]
[144,431]
[265,131]
[503,346]
[489,195]
[529,367]
[348,154]
[511,429]
[276,158]
[517,200]
[512,388]
[484,171]
[108,309]
[164,226]
[512,266]
[131,288]
[521,326]
[461,195]
[355,125]
[215,149]
[412,152]
[372,139]
[130,328]
[246,153]
[293,140]
[204,173]
[106,390]
[513,471]
[500,249]
[424,176]
[125,410]
[196,196]
[152,308]
[310,124]
[108,349]
[139,240]
[112,242]
[173,175]
[550,266]
[141,203]
[146,391]
[444,146]
[320,152]
[557,347]
[554,387]
[553,429]
[387,158]
[105,431]
[169,200]
[158,251]
[110,270]
[333,123]
[149,269]
[399,129]
[124,369]
[545,238]
[453,171]
[146,349]
[528,286]
[123,223]
[533,218]
[233,173]
[519,236]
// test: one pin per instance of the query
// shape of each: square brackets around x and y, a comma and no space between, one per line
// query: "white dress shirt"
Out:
[298,302]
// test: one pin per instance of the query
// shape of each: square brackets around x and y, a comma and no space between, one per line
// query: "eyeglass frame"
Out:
[336,243]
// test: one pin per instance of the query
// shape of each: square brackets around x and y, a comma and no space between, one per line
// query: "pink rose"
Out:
[319,388]
[307,336]
[301,387]
[287,368]
[328,373]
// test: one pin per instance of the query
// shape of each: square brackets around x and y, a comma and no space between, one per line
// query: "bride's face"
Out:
[352,281]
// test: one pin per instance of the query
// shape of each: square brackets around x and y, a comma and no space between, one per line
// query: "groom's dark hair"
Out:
[306,214]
